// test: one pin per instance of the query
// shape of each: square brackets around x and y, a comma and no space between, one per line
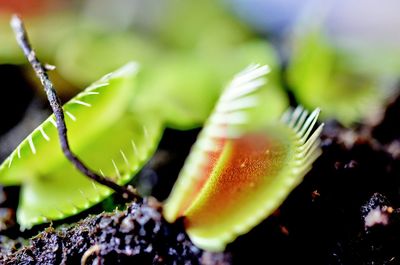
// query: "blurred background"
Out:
[334,54]
[339,55]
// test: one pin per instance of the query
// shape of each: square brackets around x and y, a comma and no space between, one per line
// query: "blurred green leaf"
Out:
[184,86]
[46,32]
[191,23]
[322,76]
[91,53]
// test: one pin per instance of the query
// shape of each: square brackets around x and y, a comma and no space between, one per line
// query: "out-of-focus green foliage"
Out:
[181,88]
[46,32]
[91,53]
[323,76]
[186,57]
[184,86]
[200,24]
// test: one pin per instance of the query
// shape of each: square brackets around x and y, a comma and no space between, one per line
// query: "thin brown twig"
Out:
[55,103]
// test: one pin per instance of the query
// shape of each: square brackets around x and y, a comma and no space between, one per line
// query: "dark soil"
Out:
[138,235]
[345,212]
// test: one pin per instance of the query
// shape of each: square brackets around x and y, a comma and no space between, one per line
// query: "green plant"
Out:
[240,170]
[321,75]
[242,166]
[184,86]
[106,133]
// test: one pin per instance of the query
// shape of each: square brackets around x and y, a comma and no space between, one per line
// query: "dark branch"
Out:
[41,72]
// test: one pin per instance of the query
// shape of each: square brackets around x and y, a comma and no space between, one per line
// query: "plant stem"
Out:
[55,103]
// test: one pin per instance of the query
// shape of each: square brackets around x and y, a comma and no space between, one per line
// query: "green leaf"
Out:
[102,132]
[241,168]
[62,25]
[91,53]
[183,87]
[321,76]
[190,24]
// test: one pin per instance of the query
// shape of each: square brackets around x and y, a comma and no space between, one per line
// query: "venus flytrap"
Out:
[95,116]
[105,134]
[240,169]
